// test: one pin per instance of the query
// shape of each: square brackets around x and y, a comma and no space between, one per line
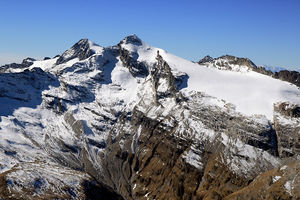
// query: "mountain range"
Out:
[132,121]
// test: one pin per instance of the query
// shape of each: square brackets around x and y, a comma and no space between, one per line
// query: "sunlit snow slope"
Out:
[250,92]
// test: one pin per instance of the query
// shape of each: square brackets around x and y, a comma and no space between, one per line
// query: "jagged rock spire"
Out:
[163,79]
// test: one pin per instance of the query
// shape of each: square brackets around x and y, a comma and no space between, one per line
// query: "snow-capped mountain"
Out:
[132,121]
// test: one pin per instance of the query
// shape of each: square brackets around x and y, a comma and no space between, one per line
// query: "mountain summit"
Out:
[83,49]
[132,39]
[132,121]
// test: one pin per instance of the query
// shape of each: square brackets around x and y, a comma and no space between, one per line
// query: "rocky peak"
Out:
[132,39]
[81,50]
[205,59]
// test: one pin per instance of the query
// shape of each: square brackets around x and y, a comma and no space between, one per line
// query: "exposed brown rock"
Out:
[280,183]
[219,180]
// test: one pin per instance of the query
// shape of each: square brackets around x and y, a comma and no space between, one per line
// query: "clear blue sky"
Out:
[266,31]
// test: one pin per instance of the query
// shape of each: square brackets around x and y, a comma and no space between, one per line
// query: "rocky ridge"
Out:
[25,63]
[229,62]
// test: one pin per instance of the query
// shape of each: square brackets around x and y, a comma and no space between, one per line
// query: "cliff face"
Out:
[287,126]
[134,122]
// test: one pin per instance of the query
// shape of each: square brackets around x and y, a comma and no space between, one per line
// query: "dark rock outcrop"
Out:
[284,75]
[287,127]
[136,68]
[163,79]
[289,76]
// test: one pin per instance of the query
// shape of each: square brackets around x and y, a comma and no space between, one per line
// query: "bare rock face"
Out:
[219,181]
[287,126]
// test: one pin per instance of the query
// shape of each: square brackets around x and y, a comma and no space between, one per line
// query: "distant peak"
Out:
[132,39]
[231,57]
[228,59]
[205,59]
[237,60]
